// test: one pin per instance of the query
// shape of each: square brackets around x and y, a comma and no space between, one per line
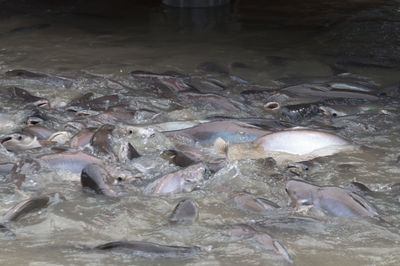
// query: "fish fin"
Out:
[364,203]
[220,145]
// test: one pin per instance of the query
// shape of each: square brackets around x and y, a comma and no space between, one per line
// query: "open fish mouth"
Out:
[5,140]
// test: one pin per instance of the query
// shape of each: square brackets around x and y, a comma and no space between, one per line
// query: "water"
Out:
[87,47]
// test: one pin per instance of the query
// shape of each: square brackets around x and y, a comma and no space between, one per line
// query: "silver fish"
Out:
[184,180]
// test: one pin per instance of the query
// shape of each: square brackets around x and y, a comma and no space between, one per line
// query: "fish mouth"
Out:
[5,139]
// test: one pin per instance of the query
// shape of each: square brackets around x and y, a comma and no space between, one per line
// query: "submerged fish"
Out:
[264,240]
[150,248]
[334,201]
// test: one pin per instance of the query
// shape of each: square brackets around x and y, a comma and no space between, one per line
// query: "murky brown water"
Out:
[89,48]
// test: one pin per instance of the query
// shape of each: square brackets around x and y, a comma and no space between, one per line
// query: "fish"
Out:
[26,74]
[102,103]
[177,157]
[248,202]
[185,212]
[25,207]
[209,99]
[27,97]
[100,140]
[230,131]
[165,84]
[323,91]
[150,248]
[38,131]
[82,138]
[20,142]
[73,161]
[183,180]
[290,146]
[264,240]
[299,141]
[334,201]
[96,178]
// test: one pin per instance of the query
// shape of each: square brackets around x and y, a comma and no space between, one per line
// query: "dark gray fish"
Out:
[204,85]
[131,152]
[166,84]
[177,157]
[101,141]
[25,74]
[71,161]
[150,248]
[186,212]
[216,101]
[184,180]
[334,201]
[213,67]
[248,202]
[96,178]
[25,207]
[102,103]
[27,97]
[8,234]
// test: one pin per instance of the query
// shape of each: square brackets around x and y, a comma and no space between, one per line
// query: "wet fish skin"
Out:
[184,180]
[71,161]
[96,178]
[176,157]
[100,140]
[298,141]
[40,132]
[150,248]
[335,201]
[264,240]
[19,142]
[248,202]
[185,212]
[27,97]
[26,74]
[25,207]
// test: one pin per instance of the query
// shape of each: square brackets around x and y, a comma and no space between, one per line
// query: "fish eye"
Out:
[120,179]
[19,137]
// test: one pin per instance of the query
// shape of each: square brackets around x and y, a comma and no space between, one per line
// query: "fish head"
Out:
[301,192]
[19,142]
